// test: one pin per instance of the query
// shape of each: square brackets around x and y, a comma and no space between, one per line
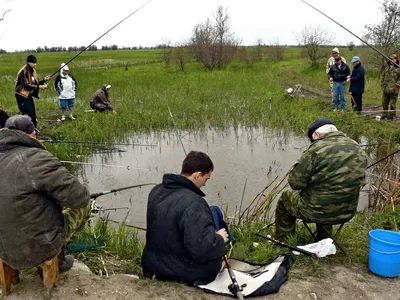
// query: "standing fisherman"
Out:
[28,86]
[390,84]
[338,74]
[357,83]
[330,63]
[65,85]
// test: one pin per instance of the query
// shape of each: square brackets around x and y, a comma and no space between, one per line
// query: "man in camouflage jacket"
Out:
[390,84]
[325,182]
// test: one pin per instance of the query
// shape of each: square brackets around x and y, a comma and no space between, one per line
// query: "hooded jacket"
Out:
[65,86]
[181,242]
[100,99]
[35,187]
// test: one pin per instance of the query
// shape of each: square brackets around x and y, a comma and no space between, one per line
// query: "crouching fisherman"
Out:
[100,100]
[182,243]
[42,206]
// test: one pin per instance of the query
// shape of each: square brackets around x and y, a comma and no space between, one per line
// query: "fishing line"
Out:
[80,52]
[362,40]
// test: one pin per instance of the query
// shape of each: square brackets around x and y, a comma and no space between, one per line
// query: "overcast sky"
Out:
[30,24]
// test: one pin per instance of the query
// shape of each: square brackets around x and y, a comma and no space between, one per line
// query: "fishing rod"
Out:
[173,122]
[96,195]
[96,143]
[83,50]
[362,40]
[234,288]
[101,165]
[293,248]
[382,159]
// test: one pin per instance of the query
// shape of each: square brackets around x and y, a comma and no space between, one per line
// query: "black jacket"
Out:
[357,79]
[181,243]
[35,187]
[339,75]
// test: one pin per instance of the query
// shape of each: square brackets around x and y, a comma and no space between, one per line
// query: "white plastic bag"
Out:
[321,249]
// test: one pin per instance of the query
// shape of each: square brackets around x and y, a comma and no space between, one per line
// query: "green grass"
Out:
[239,95]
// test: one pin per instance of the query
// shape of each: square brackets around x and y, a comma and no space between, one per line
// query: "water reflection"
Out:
[254,154]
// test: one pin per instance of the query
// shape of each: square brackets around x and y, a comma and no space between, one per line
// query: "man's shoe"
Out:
[72,117]
[63,118]
[65,262]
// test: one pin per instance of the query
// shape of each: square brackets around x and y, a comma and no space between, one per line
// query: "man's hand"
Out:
[43,86]
[222,232]
[47,78]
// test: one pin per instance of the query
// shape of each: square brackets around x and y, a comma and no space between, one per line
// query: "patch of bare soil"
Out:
[341,283]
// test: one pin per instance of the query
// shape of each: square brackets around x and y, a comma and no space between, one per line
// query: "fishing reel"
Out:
[95,207]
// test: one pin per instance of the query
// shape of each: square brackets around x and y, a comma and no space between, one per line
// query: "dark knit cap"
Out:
[31,59]
[20,122]
[317,124]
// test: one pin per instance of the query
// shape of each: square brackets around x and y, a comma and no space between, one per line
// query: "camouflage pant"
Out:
[76,221]
[389,102]
[288,209]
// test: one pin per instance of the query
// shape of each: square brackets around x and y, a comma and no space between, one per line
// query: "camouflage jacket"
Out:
[331,62]
[390,80]
[329,176]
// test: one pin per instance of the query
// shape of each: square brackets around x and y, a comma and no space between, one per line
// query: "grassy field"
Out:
[245,95]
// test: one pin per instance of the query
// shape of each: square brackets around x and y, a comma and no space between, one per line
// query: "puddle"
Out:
[257,155]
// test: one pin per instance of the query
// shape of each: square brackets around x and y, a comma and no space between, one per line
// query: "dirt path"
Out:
[341,284]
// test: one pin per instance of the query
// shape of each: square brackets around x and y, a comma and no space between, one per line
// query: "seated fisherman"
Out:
[100,100]
[42,206]
[325,182]
[182,243]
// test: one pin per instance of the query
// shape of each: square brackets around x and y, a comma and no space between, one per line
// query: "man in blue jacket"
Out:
[182,243]
[357,83]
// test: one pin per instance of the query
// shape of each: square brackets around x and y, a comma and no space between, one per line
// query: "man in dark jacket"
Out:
[35,189]
[181,240]
[325,182]
[27,86]
[338,75]
[390,84]
[357,83]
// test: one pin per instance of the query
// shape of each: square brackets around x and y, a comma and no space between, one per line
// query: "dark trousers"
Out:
[27,107]
[389,105]
[357,101]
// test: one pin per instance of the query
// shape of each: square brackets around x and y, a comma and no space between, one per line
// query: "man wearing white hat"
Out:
[65,86]
[330,63]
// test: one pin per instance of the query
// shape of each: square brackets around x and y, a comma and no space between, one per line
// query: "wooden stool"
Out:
[9,276]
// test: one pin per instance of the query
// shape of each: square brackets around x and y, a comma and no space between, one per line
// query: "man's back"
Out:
[35,188]
[181,243]
[329,175]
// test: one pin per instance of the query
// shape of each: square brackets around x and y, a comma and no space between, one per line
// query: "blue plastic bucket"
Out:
[384,252]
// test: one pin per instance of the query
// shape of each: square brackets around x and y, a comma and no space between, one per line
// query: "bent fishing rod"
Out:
[87,47]
[362,40]
[96,195]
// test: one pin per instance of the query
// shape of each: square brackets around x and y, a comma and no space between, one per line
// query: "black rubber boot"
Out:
[65,262]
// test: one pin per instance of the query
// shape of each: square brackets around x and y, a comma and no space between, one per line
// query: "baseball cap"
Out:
[338,57]
[355,58]
[64,67]
[21,122]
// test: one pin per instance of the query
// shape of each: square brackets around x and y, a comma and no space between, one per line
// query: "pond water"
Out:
[251,157]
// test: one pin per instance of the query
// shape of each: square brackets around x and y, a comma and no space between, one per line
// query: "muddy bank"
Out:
[339,284]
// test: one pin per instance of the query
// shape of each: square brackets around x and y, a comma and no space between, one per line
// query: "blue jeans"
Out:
[339,89]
